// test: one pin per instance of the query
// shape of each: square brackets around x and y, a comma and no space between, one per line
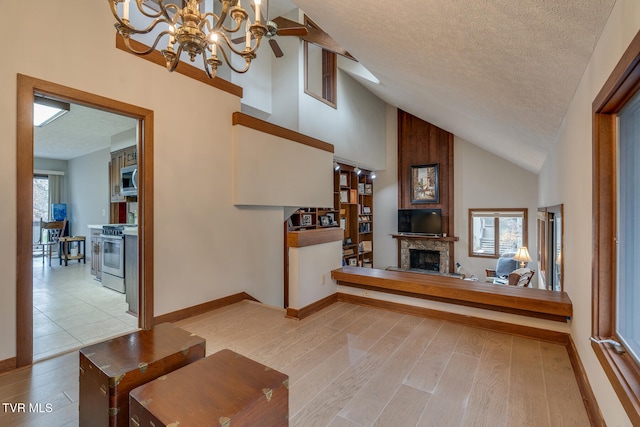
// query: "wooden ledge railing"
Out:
[530,302]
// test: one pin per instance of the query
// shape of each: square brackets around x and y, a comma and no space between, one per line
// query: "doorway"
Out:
[27,88]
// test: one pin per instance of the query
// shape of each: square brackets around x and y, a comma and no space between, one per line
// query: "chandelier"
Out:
[192,30]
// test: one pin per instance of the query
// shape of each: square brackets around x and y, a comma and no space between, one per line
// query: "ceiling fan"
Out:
[282,28]
[309,31]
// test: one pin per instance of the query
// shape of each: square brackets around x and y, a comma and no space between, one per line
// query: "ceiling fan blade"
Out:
[292,31]
[276,48]
[239,40]
[325,41]
[283,23]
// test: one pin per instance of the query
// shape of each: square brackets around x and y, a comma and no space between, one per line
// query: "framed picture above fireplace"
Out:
[424,184]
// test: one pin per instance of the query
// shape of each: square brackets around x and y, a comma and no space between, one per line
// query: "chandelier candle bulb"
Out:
[214,43]
[125,10]
[257,3]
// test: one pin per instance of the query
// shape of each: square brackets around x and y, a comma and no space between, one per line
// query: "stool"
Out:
[63,252]
[111,369]
[225,389]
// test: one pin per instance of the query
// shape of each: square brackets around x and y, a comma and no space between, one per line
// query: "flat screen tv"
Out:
[420,221]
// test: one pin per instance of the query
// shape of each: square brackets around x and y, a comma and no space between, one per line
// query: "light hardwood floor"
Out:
[358,366]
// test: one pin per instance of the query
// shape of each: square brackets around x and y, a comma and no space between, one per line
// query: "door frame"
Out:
[26,88]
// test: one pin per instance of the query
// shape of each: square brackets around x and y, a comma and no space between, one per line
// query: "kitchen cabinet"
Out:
[131,271]
[96,253]
[119,159]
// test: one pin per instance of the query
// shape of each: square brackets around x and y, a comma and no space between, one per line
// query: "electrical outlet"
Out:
[365,293]
[322,279]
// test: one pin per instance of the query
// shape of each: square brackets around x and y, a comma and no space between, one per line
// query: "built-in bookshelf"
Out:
[313,218]
[353,201]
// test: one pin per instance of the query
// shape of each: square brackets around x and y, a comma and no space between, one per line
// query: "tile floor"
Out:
[71,309]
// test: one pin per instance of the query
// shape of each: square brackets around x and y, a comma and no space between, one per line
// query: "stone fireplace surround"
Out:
[423,243]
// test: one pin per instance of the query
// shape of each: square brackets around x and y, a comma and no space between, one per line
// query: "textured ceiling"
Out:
[81,131]
[498,73]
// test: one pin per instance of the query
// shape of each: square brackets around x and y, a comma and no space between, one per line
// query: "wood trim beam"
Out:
[590,402]
[7,365]
[195,310]
[183,68]
[311,308]
[537,303]
[300,239]
[251,122]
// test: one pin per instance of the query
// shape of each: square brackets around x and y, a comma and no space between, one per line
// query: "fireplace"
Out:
[424,259]
[432,253]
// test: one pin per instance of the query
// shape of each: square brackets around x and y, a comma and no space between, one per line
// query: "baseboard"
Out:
[202,308]
[311,308]
[589,399]
[477,322]
[8,365]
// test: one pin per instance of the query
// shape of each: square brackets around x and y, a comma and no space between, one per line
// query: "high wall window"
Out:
[320,71]
[616,229]
[493,232]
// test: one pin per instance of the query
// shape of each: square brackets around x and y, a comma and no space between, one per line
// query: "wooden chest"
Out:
[111,369]
[224,389]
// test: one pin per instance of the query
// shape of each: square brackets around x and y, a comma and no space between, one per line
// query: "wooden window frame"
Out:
[525,234]
[623,372]
[329,72]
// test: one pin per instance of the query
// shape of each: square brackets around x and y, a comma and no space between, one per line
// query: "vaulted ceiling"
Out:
[497,73]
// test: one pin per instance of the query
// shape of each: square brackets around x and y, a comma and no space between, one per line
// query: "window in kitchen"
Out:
[493,232]
[616,229]
[40,199]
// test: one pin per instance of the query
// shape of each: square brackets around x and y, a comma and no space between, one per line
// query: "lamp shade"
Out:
[522,255]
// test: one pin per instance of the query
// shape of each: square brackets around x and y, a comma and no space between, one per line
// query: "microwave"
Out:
[129,181]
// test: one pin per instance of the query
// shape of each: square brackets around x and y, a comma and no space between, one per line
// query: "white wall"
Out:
[385,198]
[566,178]
[310,273]
[88,183]
[484,180]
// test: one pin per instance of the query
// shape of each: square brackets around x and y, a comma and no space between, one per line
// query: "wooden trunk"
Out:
[111,369]
[225,389]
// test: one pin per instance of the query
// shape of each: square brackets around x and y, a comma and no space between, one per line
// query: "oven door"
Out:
[113,255]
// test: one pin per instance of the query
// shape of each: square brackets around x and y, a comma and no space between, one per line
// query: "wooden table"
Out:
[64,249]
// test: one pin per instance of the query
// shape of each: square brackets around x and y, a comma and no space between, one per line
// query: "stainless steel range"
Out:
[113,257]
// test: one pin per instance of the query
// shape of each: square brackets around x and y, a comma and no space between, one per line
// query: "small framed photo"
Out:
[324,221]
[344,196]
[347,241]
[332,218]
[343,180]
[307,219]
[361,187]
[353,261]
[424,184]
[368,189]
[366,209]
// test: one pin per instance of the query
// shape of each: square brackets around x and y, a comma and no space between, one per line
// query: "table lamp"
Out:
[522,256]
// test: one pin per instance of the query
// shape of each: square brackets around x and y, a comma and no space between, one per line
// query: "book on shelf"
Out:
[353,198]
